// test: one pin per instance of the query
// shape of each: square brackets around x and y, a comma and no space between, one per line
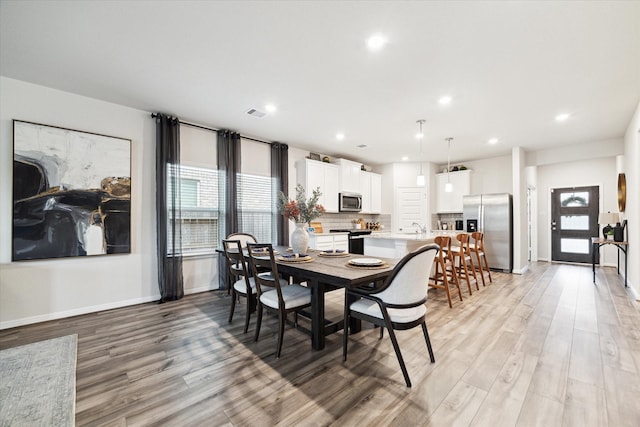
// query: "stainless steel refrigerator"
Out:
[492,214]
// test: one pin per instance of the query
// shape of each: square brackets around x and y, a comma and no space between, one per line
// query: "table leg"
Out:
[317,315]
[593,260]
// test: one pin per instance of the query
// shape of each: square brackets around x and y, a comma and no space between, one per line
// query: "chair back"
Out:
[463,239]
[243,237]
[236,265]
[445,247]
[265,268]
[408,283]
[478,238]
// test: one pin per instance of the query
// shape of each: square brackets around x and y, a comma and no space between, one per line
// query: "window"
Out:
[256,201]
[255,206]
[199,210]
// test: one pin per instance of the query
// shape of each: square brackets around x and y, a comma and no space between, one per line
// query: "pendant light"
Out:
[420,181]
[448,187]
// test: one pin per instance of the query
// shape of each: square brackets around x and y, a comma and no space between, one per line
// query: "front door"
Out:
[574,220]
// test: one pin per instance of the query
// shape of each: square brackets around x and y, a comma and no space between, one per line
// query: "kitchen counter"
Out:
[397,245]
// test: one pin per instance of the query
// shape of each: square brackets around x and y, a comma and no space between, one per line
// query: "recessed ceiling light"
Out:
[270,108]
[419,135]
[405,158]
[339,136]
[562,117]
[376,42]
[493,141]
[444,100]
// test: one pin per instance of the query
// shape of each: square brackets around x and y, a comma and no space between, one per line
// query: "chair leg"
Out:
[258,322]
[456,282]
[396,347]
[445,281]
[345,330]
[281,319]
[486,264]
[459,270]
[381,331]
[248,315]
[426,338]
[480,269]
[233,306]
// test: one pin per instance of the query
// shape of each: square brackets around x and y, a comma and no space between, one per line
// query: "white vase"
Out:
[300,238]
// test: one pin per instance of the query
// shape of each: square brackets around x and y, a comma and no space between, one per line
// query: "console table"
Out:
[596,242]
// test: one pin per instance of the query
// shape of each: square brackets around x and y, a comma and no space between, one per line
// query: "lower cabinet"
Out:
[323,242]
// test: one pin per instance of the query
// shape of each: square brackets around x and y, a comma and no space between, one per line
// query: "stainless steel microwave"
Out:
[350,202]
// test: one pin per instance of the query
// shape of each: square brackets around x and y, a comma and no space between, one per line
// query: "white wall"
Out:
[632,212]
[34,291]
[519,185]
[492,175]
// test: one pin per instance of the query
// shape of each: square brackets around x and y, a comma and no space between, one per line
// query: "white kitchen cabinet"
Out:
[324,242]
[376,193]
[349,175]
[461,183]
[371,190]
[312,174]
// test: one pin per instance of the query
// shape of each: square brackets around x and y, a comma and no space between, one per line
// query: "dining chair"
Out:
[275,294]
[463,262]
[477,247]
[242,284]
[444,275]
[398,305]
[244,238]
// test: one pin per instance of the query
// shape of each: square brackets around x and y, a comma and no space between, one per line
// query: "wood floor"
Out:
[544,349]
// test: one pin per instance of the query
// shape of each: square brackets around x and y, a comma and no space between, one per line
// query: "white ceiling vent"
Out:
[256,113]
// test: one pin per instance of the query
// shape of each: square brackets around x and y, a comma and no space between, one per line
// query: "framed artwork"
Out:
[71,193]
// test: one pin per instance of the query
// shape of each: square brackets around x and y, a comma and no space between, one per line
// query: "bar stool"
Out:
[463,262]
[444,273]
[477,247]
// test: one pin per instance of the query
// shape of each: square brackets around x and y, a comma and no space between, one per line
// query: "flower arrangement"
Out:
[301,210]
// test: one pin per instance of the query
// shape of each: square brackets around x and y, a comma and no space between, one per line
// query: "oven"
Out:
[356,241]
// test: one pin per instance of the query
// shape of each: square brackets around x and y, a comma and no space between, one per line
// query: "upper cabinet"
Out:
[452,201]
[312,174]
[349,176]
[371,190]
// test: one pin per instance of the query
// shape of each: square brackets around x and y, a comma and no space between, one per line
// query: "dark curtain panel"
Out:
[169,233]
[280,175]
[229,169]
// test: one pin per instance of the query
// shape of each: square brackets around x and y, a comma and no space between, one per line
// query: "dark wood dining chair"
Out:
[244,238]
[274,293]
[399,304]
[444,275]
[242,284]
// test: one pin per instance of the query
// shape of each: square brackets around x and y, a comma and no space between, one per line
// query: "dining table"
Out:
[325,272]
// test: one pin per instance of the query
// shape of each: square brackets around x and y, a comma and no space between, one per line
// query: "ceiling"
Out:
[510,68]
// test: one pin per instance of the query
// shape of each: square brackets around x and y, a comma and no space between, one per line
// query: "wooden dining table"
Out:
[327,273]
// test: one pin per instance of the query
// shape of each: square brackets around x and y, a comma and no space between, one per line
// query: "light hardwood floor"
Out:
[544,349]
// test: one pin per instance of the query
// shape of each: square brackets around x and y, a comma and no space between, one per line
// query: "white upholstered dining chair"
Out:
[399,304]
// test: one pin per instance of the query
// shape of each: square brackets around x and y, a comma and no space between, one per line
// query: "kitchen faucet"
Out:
[423,229]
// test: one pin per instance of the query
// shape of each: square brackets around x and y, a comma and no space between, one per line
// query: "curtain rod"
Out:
[154,115]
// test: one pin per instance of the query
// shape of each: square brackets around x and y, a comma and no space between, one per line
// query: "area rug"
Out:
[38,383]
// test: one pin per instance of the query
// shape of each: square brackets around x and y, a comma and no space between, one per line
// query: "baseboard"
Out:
[520,271]
[75,312]
[92,309]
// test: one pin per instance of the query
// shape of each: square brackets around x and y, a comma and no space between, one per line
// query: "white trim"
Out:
[522,270]
[76,312]
[93,309]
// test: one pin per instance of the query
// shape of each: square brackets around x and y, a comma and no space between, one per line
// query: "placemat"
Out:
[368,267]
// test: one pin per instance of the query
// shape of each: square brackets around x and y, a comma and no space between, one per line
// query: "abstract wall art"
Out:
[71,193]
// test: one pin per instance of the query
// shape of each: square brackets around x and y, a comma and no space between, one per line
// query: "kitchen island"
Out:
[397,245]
